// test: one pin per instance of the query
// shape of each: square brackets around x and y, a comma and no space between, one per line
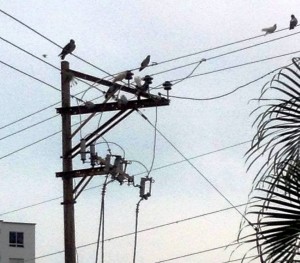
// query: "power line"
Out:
[154,143]
[195,168]
[161,62]
[239,259]
[210,49]
[152,228]
[217,47]
[28,127]
[244,64]
[154,169]
[49,64]
[27,74]
[225,54]
[191,98]
[228,93]
[239,41]
[29,145]
[198,156]
[196,253]
[51,41]
[18,47]
[27,116]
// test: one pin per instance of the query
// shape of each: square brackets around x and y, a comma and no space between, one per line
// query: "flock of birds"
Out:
[293,24]
[70,47]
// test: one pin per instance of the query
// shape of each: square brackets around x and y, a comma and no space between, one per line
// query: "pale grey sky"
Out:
[115,37]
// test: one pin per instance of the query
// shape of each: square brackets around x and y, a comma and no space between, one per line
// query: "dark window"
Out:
[16,239]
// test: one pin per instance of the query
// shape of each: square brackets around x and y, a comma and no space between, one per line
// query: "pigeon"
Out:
[293,22]
[111,91]
[45,55]
[138,81]
[122,101]
[69,48]
[270,30]
[145,63]
[120,77]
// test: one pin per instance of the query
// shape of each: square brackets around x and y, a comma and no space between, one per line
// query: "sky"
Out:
[190,209]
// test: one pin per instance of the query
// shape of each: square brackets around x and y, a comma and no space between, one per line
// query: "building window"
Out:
[16,239]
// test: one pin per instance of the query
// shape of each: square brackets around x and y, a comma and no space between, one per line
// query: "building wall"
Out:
[17,254]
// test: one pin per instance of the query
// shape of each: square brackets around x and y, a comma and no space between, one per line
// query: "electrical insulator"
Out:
[145,187]
[129,75]
[167,86]
[83,149]
[107,163]
[117,163]
[93,154]
[148,80]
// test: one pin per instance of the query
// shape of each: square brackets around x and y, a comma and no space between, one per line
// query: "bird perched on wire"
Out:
[145,63]
[293,22]
[269,30]
[69,48]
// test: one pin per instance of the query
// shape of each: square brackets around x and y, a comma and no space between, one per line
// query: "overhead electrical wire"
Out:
[173,96]
[28,127]
[239,41]
[51,41]
[147,172]
[51,65]
[196,169]
[151,228]
[243,64]
[18,47]
[205,251]
[60,47]
[217,47]
[27,74]
[199,99]
[162,62]
[197,253]
[29,115]
[154,142]
[224,54]
[210,49]
[228,93]
[33,143]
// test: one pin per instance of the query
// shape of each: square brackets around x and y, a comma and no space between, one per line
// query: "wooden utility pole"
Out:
[68,200]
[70,194]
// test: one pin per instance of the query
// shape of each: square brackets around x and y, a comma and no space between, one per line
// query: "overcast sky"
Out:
[115,36]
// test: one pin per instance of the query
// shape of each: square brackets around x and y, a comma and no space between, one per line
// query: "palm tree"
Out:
[276,188]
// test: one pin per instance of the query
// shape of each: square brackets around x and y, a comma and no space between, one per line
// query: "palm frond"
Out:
[276,187]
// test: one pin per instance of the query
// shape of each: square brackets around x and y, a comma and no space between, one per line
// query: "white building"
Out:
[17,242]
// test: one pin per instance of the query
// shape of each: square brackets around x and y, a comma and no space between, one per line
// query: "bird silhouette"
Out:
[145,63]
[69,48]
[269,30]
[293,22]
[111,91]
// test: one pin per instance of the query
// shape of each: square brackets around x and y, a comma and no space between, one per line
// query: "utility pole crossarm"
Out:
[131,104]
[82,172]
[107,83]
